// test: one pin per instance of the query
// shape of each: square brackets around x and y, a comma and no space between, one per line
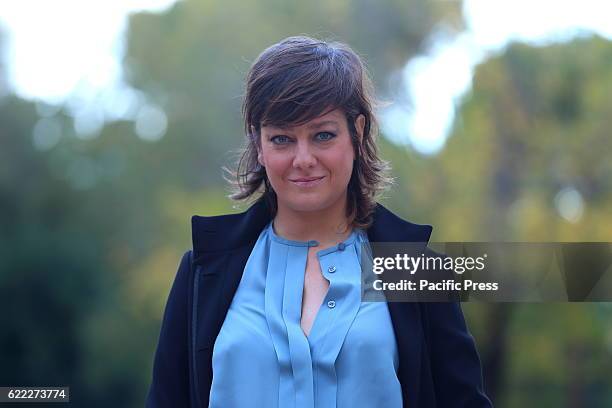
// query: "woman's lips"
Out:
[307,182]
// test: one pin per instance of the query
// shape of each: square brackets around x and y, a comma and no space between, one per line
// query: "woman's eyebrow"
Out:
[321,124]
[316,125]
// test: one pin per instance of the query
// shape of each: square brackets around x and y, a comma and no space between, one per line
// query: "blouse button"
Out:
[331,269]
[331,304]
[341,246]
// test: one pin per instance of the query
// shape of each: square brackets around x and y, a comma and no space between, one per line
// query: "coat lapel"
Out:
[221,248]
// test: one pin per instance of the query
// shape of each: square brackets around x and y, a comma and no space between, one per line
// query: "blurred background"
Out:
[116,117]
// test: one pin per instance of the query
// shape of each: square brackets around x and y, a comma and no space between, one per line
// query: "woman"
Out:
[266,310]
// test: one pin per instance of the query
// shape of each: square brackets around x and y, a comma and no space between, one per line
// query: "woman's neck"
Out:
[328,226]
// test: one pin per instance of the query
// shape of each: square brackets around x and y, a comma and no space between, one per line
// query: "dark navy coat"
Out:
[438,362]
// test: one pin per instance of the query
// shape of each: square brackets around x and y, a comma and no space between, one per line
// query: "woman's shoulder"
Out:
[226,231]
[387,226]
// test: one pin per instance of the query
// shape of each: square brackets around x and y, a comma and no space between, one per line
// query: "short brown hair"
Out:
[299,79]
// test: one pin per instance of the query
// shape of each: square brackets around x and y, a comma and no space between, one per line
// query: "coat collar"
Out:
[231,231]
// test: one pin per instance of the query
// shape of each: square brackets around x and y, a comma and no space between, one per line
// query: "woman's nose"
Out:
[304,157]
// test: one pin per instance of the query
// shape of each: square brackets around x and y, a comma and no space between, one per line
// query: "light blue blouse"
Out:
[262,358]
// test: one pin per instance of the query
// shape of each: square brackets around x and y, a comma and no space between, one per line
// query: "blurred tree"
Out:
[50,264]
[533,130]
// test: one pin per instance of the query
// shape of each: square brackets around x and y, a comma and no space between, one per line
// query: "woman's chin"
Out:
[307,204]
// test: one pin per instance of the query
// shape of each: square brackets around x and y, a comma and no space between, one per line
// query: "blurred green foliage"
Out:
[92,229]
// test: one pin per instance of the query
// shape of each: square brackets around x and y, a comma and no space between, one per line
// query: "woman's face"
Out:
[309,166]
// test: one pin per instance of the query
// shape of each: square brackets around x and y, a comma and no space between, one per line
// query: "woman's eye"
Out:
[325,136]
[279,139]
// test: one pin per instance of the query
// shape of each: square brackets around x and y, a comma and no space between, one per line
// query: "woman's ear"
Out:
[254,137]
[360,126]
[260,157]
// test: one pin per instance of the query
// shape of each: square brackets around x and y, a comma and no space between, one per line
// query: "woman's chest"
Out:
[315,289]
